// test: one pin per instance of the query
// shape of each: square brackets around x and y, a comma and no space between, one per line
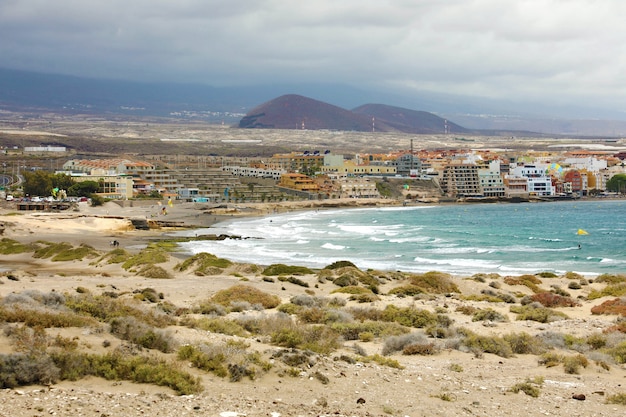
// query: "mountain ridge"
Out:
[32,92]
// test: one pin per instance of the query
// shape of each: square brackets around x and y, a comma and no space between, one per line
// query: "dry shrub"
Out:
[614,290]
[611,278]
[531,388]
[619,399]
[523,343]
[536,312]
[428,348]
[398,343]
[245,293]
[129,328]
[367,329]
[410,316]
[486,344]
[467,310]
[616,306]
[204,263]
[551,300]
[433,282]
[365,313]
[527,280]
[20,369]
[489,314]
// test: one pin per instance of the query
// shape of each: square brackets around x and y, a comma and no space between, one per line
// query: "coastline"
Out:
[467,381]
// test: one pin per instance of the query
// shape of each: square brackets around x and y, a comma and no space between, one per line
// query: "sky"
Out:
[548,51]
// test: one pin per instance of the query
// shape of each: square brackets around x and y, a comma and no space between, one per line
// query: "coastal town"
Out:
[424,175]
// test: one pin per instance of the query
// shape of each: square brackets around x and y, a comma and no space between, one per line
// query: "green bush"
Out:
[619,399]
[12,247]
[106,308]
[487,344]
[281,269]
[245,293]
[536,313]
[433,282]
[409,316]
[340,264]
[129,328]
[117,366]
[530,388]
[523,343]
[354,330]
[203,262]
[489,314]
[19,369]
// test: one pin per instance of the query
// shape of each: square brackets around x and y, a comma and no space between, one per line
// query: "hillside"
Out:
[409,121]
[297,112]
[293,111]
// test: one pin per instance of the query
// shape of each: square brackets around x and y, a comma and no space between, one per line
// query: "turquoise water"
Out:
[460,239]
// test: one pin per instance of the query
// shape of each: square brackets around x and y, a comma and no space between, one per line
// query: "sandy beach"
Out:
[451,381]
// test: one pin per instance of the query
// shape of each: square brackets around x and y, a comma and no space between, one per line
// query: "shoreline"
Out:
[450,381]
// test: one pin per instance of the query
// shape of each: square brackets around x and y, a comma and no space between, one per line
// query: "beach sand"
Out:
[427,386]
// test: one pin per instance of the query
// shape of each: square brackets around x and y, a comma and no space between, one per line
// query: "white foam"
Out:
[333,247]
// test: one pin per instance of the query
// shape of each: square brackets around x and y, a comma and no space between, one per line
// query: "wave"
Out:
[333,247]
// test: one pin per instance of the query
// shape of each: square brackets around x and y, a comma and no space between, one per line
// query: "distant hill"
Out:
[32,92]
[293,111]
[409,121]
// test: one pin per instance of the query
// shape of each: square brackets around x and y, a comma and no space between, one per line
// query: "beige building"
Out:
[350,168]
[298,182]
[460,180]
[116,187]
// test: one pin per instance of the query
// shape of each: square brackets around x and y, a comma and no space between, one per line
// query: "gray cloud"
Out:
[560,51]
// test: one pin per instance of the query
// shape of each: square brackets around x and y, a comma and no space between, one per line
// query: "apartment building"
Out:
[460,180]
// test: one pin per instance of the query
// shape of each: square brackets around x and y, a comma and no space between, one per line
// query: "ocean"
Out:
[509,239]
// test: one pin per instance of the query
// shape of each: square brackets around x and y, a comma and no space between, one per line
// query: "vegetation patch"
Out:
[409,316]
[611,278]
[282,269]
[619,399]
[615,290]
[352,289]
[551,300]
[433,282]
[616,306]
[106,308]
[129,328]
[381,360]
[530,387]
[245,293]
[534,312]
[294,280]
[489,314]
[356,330]
[525,344]
[204,263]
[527,280]
[571,364]
[116,366]
[479,344]
[60,252]
[13,247]
[340,264]
[149,256]
[229,359]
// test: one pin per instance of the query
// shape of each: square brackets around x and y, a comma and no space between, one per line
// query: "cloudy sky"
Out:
[560,51]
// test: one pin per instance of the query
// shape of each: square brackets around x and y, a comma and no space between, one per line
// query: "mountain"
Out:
[40,92]
[294,111]
[409,121]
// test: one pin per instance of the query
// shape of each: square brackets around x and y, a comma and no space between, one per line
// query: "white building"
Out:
[539,182]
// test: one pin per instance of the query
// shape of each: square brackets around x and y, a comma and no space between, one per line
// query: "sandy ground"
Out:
[480,389]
